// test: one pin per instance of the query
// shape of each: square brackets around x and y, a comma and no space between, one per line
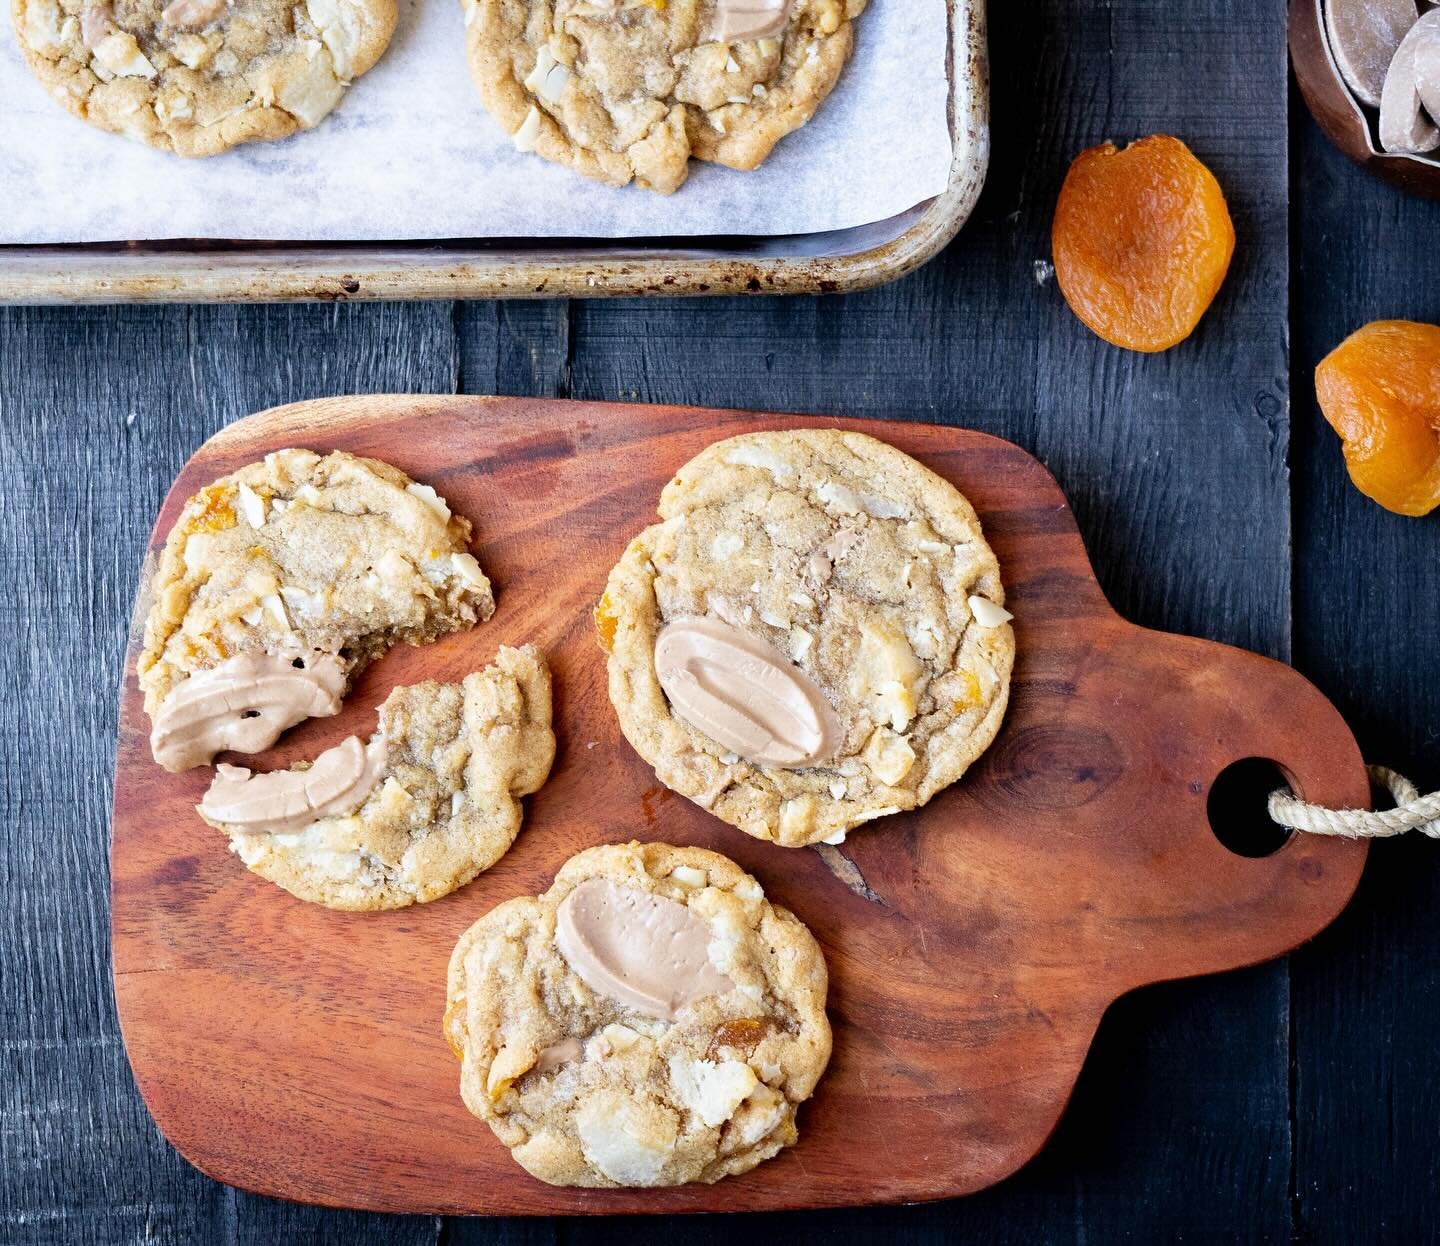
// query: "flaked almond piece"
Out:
[745,694]
[557,1054]
[987,613]
[644,951]
[290,800]
[243,705]
[121,55]
[528,134]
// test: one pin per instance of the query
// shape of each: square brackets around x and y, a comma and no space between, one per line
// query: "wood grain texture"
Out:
[1181,1125]
[1176,467]
[98,409]
[1366,582]
[1075,863]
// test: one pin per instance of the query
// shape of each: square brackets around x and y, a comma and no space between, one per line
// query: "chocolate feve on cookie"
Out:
[432,801]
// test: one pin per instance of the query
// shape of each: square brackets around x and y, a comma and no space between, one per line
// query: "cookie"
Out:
[198,77]
[432,800]
[280,582]
[624,90]
[650,1020]
[814,637]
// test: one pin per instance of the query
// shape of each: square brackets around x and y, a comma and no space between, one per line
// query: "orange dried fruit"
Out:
[1142,241]
[741,1034]
[1380,390]
[606,622]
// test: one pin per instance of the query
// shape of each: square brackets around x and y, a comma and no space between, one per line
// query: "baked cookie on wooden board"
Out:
[429,803]
[624,90]
[813,638]
[198,77]
[280,582]
[649,1020]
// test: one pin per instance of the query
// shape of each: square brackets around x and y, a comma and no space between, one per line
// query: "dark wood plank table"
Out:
[1295,1101]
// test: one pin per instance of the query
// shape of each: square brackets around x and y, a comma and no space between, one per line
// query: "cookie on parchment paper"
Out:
[198,77]
[630,90]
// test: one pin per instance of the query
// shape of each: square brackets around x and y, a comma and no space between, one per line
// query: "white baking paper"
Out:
[410,153]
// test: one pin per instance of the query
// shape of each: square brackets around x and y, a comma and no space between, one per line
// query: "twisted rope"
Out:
[1412,812]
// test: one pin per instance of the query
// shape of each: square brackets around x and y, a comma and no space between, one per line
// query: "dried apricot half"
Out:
[1380,390]
[1142,241]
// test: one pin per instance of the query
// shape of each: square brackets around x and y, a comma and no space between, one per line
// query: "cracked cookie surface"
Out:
[869,579]
[446,805]
[623,90]
[302,556]
[587,1090]
[198,77]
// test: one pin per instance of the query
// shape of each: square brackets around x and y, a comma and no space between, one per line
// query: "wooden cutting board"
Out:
[973,946]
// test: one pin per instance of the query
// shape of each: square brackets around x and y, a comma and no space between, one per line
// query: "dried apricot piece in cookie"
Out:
[432,800]
[650,1020]
[1142,241]
[1380,390]
[279,582]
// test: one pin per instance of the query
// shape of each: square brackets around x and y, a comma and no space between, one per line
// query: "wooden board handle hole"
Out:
[1238,806]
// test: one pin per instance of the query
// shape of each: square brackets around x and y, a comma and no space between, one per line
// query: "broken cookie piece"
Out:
[650,1020]
[430,802]
[280,582]
[815,636]
[198,77]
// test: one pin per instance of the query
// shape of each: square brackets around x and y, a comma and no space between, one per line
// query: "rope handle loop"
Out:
[1412,812]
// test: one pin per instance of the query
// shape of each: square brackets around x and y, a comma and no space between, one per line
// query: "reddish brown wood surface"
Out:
[297,1052]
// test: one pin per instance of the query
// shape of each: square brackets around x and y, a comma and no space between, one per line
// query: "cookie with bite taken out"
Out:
[280,582]
[429,802]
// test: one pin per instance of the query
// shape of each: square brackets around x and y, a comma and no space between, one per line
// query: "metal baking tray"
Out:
[255,272]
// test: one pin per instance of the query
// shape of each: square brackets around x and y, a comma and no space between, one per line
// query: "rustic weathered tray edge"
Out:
[810,264]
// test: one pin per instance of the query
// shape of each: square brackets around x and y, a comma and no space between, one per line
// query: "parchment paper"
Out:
[410,153]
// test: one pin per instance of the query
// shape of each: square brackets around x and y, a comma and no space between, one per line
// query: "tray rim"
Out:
[68,274]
